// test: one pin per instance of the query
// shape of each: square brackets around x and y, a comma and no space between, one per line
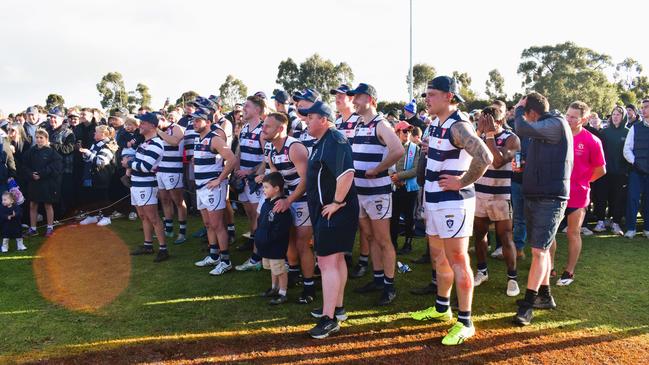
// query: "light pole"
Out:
[410,87]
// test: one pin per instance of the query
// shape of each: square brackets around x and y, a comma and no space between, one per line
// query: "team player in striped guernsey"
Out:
[375,149]
[456,158]
[289,157]
[304,99]
[170,176]
[493,201]
[348,119]
[144,186]
[213,162]
[282,105]
[251,155]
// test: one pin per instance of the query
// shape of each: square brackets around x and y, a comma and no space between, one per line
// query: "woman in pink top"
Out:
[589,165]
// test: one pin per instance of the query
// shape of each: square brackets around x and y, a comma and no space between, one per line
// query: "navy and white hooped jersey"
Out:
[188,141]
[99,154]
[368,152]
[348,127]
[228,131]
[145,163]
[208,164]
[444,158]
[282,162]
[496,184]
[172,157]
[252,152]
[307,140]
[297,125]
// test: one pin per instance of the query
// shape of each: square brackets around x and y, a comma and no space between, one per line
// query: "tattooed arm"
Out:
[465,137]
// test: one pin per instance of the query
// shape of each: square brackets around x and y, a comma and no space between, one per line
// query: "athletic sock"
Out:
[293,270]
[530,296]
[309,285]
[363,260]
[388,283]
[442,304]
[32,228]
[148,244]
[214,251]
[512,274]
[482,267]
[231,232]
[182,230]
[225,256]
[163,247]
[464,318]
[50,227]
[169,225]
[378,277]
[434,277]
[282,292]
[255,258]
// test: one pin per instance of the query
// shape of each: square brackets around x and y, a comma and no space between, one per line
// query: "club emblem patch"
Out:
[379,207]
[449,223]
[211,200]
[142,195]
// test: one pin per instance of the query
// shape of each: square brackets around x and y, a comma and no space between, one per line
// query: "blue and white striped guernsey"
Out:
[446,159]
[348,127]
[297,125]
[228,132]
[208,164]
[368,152]
[282,162]
[188,141]
[496,184]
[252,152]
[147,157]
[172,157]
[99,154]
[307,140]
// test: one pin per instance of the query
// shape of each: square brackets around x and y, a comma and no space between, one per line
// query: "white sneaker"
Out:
[586,232]
[600,227]
[512,288]
[629,234]
[207,261]
[116,215]
[104,221]
[5,247]
[21,247]
[498,253]
[616,230]
[89,220]
[248,266]
[565,281]
[221,268]
[132,216]
[480,278]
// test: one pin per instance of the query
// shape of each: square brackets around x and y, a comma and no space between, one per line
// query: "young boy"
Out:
[271,237]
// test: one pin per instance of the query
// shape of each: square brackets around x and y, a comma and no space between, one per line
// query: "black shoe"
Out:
[430,289]
[307,297]
[324,328]
[142,250]
[524,315]
[248,246]
[358,271]
[340,313]
[406,249]
[387,297]
[540,302]
[369,288]
[270,293]
[280,299]
[161,256]
[424,259]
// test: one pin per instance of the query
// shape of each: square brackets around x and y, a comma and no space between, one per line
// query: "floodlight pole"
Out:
[410,88]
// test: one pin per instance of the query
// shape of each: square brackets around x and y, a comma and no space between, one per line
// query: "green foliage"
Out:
[186,97]
[421,73]
[139,97]
[112,91]
[464,82]
[315,72]
[232,91]
[54,100]
[387,106]
[495,85]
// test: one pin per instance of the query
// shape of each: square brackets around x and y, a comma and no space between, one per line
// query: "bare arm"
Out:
[174,139]
[299,156]
[465,137]
[505,154]
[598,172]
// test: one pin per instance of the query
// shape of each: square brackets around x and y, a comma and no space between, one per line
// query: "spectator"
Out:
[410,112]
[10,218]
[32,123]
[62,141]
[636,152]
[632,115]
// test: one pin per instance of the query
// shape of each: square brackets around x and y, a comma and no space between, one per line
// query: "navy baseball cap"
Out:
[342,89]
[281,96]
[307,94]
[201,113]
[56,112]
[216,100]
[446,84]
[32,110]
[201,102]
[363,89]
[149,118]
[261,94]
[318,107]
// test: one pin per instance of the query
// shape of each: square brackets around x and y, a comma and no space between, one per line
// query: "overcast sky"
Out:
[65,47]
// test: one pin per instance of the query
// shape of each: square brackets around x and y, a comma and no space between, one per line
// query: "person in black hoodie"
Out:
[10,217]
[271,237]
[62,140]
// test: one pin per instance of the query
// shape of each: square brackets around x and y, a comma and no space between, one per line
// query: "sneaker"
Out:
[586,232]
[5,248]
[31,232]
[458,334]
[369,287]
[480,277]
[340,313]
[599,227]
[49,232]
[207,261]
[116,215]
[629,234]
[498,253]
[161,256]
[512,288]
[616,230]
[324,328]
[358,271]
[270,293]
[200,233]
[387,297]
[142,251]
[91,219]
[132,216]
[221,268]
[565,279]
[21,247]
[104,221]
[180,239]
[429,289]
[307,297]
[281,299]
[524,314]
[248,266]
[540,302]
[432,313]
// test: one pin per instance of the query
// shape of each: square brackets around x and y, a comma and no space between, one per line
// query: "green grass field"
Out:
[174,298]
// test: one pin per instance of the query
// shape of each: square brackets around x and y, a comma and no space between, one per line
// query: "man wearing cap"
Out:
[456,158]
[32,123]
[62,141]
[376,148]
[282,105]
[404,196]
[410,112]
[304,99]
[144,186]
[348,119]
[333,207]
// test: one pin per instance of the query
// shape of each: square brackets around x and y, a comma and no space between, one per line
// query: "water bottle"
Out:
[403,268]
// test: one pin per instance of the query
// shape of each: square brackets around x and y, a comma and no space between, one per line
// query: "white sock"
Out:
[282,292]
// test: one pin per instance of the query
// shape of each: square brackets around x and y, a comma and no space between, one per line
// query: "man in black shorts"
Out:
[333,207]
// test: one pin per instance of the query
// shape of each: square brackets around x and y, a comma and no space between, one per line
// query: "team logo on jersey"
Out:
[299,213]
[449,223]
[171,179]
[142,195]
[253,136]
[379,207]
[349,125]
[211,200]
[271,216]
[580,146]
